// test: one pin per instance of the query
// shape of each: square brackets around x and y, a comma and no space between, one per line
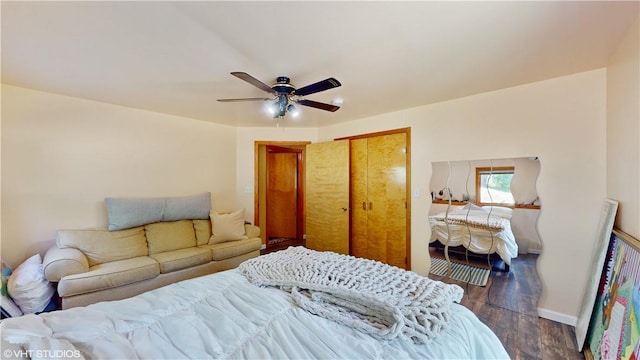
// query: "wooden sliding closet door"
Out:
[388,194]
[379,198]
[359,198]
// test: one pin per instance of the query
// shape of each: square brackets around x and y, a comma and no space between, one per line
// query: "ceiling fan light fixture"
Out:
[272,108]
[293,110]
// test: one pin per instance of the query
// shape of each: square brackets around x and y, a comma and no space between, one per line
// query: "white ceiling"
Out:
[175,57]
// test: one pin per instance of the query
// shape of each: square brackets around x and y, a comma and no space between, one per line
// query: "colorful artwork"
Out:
[614,330]
[5,271]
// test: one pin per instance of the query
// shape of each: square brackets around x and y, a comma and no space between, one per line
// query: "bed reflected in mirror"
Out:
[483,228]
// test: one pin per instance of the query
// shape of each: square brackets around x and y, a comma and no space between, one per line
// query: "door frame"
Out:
[257,145]
[406,131]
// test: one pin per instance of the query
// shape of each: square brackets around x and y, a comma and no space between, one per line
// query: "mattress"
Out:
[224,316]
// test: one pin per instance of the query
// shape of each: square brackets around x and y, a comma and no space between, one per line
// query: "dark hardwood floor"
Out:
[508,305]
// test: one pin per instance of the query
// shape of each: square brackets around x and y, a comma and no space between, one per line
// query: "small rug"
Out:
[273,241]
[461,272]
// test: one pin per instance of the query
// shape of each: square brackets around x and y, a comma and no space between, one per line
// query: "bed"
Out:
[480,230]
[225,315]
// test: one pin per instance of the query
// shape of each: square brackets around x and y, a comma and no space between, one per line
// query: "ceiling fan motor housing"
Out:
[283,86]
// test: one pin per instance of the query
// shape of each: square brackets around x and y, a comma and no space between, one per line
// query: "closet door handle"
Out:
[370,206]
[364,205]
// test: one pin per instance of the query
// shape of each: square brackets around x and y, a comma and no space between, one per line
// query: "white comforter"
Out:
[224,316]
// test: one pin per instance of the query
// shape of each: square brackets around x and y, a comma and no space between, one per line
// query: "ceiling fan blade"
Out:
[318,105]
[245,99]
[253,81]
[323,85]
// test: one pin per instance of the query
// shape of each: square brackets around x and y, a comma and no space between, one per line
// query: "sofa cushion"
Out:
[203,231]
[125,213]
[168,236]
[109,275]
[230,249]
[227,227]
[102,246]
[181,259]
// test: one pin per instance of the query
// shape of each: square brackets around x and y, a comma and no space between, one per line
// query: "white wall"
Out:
[246,137]
[623,131]
[562,121]
[62,156]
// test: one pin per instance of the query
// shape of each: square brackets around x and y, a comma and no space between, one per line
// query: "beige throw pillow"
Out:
[227,227]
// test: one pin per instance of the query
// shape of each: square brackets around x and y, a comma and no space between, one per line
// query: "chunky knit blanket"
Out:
[384,301]
[481,222]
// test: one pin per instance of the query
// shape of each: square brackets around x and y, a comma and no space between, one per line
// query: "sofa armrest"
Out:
[58,263]
[251,231]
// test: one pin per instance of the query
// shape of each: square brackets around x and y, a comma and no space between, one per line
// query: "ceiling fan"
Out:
[285,94]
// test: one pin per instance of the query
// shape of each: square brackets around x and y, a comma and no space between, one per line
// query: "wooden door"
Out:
[387,195]
[327,196]
[359,198]
[378,198]
[283,193]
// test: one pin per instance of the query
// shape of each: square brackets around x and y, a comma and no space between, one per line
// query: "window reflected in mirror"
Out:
[493,186]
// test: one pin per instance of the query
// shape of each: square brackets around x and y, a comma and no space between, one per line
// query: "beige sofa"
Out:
[92,265]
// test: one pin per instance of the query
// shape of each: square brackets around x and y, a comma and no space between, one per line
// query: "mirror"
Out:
[484,214]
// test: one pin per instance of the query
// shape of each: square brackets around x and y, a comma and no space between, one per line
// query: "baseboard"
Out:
[557,317]
[534,251]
